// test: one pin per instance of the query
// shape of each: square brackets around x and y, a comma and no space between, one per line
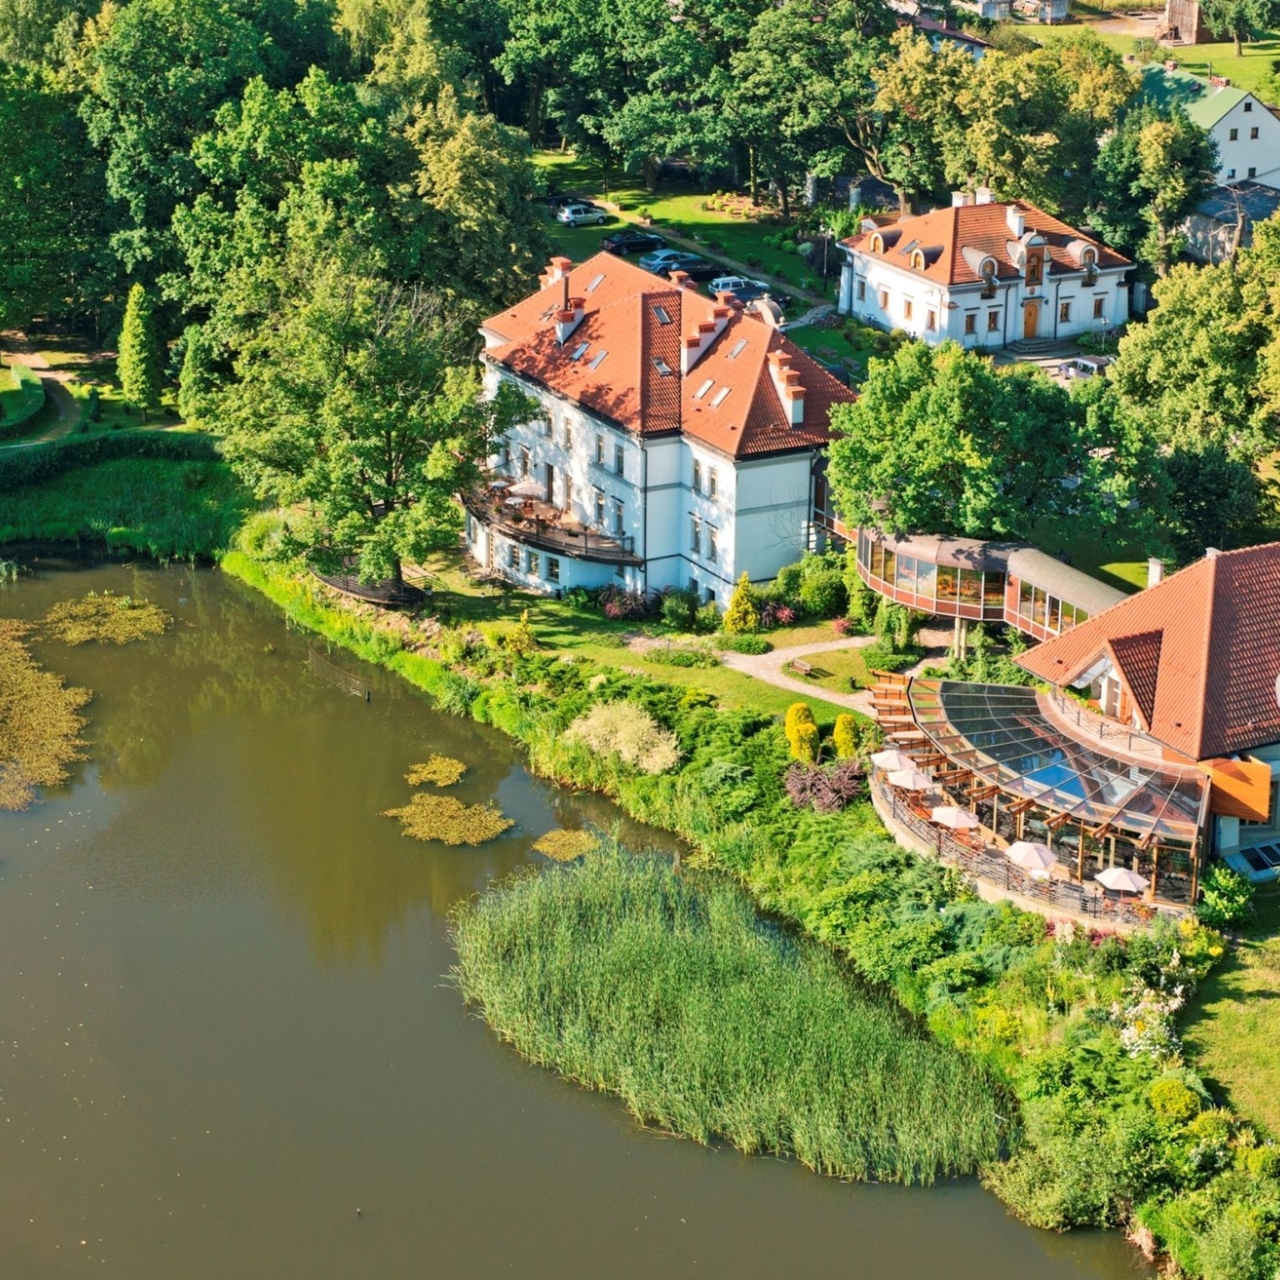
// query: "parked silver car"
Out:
[581,215]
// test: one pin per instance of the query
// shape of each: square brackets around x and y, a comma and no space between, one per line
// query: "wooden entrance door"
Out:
[1030,315]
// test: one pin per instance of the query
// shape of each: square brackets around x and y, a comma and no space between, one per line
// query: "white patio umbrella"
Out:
[514,502]
[892,759]
[527,489]
[1030,856]
[910,780]
[1122,879]
[951,815]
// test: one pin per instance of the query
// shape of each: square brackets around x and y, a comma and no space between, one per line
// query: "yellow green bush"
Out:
[845,738]
[742,616]
[1173,1102]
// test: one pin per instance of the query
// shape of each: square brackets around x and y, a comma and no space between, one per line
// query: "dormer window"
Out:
[917,260]
[877,243]
[1033,268]
[988,273]
[1089,261]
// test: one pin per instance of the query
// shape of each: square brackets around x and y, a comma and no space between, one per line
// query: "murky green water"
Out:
[223,1028]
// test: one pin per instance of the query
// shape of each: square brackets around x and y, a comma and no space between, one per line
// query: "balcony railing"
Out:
[539,524]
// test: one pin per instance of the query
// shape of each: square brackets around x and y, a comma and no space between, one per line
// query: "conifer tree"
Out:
[138,363]
[741,617]
[845,738]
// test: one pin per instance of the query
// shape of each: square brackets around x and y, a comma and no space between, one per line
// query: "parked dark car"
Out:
[694,267]
[624,242]
[749,293]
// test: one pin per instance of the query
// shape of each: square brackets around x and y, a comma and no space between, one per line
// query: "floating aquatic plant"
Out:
[565,846]
[443,771]
[39,724]
[106,618]
[443,818]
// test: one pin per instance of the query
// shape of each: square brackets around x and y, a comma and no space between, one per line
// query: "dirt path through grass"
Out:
[769,668]
[68,409]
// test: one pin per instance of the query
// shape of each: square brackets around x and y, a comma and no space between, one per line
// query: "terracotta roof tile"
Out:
[983,229]
[1216,666]
[639,383]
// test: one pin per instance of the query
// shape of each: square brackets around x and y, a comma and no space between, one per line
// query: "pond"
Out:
[226,1044]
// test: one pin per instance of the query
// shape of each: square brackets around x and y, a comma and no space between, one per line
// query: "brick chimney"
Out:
[786,382]
[557,270]
[682,280]
[569,317]
[694,345]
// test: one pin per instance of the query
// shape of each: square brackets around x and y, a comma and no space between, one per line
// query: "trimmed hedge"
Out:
[21,407]
[35,465]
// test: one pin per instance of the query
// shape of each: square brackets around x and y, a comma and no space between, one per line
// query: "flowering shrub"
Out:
[627,730]
[841,626]
[1145,1019]
[617,603]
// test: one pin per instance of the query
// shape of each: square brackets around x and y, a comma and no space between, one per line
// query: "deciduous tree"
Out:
[359,404]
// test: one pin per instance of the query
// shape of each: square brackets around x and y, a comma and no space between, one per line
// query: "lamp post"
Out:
[825,232]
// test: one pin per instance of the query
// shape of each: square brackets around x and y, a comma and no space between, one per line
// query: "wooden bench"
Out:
[801,667]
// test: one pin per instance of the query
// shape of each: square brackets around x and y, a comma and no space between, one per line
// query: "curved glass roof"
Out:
[1001,734]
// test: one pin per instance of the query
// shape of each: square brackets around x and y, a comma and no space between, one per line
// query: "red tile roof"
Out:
[1200,653]
[982,229]
[638,382]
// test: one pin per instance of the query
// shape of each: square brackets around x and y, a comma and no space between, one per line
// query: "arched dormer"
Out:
[877,243]
[984,266]
[917,260]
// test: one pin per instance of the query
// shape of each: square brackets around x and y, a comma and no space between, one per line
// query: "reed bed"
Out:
[711,1022]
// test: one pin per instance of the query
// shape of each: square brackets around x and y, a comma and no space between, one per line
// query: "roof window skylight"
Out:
[596,282]
[738,348]
[662,366]
[662,314]
[597,358]
[579,351]
[718,398]
[702,390]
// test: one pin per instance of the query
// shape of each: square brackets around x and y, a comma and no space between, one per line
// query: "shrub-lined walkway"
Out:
[21,347]
[769,668]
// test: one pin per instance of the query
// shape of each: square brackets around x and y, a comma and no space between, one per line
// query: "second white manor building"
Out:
[983,273]
[677,443]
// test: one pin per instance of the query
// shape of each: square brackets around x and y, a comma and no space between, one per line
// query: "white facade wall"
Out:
[750,515]
[937,312]
[1245,157]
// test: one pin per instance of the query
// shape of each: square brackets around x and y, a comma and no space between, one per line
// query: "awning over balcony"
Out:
[1002,735]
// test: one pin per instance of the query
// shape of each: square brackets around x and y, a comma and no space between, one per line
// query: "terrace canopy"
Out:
[1002,735]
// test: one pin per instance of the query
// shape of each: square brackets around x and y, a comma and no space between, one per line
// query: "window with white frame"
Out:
[599,505]
[695,535]
[619,516]
[619,459]
[862,290]
[553,569]
[599,449]
[1099,308]
[513,556]
[712,479]
[712,547]
[531,560]
[568,434]
[525,460]
[697,476]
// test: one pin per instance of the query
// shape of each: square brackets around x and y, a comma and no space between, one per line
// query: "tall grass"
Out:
[157,507]
[711,1022]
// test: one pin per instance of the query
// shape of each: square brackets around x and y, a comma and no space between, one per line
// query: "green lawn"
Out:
[740,240]
[837,670]
[849,345]
[1234,1026]
[587,633]
[1110,554]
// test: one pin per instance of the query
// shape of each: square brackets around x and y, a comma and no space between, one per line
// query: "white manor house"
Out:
[984,273]
[678,441]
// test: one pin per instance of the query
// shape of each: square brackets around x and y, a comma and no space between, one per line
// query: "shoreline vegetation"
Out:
[1112,1127]
[711,1022]
[1081,1028]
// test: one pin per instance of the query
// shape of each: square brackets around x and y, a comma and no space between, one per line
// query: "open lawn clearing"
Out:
[1111,554]
[587,633]
[833,346]
[738,240]
[1234,1028]
[839,670]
